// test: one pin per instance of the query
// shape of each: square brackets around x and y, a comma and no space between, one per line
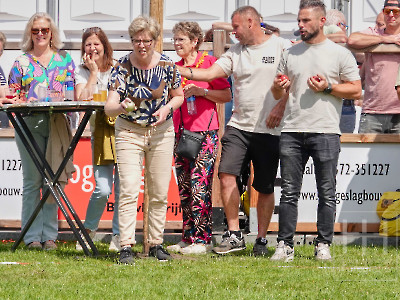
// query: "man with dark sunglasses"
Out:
[381,106]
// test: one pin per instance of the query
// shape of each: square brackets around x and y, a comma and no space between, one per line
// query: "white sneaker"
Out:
[114,244]
[283,252]
[322,252]
[195,248]
[177,247]
[78,245]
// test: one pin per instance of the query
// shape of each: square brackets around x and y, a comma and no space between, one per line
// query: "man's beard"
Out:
[309,36]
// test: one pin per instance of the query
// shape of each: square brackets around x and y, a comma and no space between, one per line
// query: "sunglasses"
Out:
[395,11]
[91,29]
[344,25]
[36,31]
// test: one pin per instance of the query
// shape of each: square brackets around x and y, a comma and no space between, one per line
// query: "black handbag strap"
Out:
[209,123]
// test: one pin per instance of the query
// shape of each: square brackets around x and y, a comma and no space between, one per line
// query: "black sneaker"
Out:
[160,253]
[126,256]
[260,247]
[230,243]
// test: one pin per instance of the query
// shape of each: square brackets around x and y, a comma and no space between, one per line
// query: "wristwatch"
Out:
[328,90]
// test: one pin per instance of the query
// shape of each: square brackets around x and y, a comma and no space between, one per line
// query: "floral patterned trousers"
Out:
[195,186]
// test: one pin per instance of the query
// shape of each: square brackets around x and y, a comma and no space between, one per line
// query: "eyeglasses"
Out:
[146,43]
[395,11]
[344,25]
[36,31]
[178,40]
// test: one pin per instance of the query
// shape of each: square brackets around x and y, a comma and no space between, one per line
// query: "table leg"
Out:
[52,182]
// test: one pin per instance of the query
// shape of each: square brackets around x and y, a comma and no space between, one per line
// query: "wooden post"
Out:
[219,42]
[156,12]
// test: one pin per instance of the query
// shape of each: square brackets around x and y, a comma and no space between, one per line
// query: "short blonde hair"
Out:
[142,23]
[27,43]
[192,30]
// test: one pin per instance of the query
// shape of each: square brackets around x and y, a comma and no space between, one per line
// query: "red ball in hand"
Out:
[317,78]
[283,77]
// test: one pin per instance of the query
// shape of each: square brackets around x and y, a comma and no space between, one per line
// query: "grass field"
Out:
[355,273]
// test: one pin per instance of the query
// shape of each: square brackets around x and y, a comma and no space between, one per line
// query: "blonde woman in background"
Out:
[42,64]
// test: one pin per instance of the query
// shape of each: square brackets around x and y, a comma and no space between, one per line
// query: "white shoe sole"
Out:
[229,251]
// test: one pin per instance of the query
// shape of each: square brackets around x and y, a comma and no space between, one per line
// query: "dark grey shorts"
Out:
[240,147]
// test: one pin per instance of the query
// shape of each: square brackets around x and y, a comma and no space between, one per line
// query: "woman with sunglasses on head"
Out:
[195,177]
[144,90]
[43,64]
[97,62]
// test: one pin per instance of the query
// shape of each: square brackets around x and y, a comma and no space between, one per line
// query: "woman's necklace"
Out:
[44,58]
[199,63]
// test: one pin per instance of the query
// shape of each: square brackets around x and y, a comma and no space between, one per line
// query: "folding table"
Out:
[15,113]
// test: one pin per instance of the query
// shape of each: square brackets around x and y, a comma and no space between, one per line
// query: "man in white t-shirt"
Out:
[252,133]
[381,106]
[320,74]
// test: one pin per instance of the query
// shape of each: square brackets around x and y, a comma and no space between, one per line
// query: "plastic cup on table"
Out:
[56,96]
[103,91]
[96,93]
[10,93]
[103,95]
[43,94]
[85,95]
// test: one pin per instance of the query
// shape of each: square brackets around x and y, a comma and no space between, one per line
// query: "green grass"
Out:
[356,272]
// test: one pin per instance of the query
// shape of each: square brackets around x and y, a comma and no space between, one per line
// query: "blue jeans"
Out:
[295,150]
[104,180]
[45,226]
[348,118]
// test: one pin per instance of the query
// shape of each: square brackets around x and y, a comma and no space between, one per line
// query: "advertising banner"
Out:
[78,190]
[81,186]
[364,172]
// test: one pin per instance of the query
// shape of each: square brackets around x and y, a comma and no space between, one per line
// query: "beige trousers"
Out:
[154,145]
